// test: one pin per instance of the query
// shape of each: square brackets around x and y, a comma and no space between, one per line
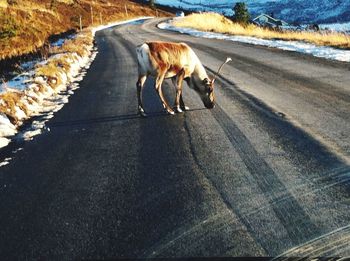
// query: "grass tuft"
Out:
[8,27]
[11,101]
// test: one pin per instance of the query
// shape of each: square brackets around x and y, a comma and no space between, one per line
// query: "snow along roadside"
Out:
[302,47]
[48,88]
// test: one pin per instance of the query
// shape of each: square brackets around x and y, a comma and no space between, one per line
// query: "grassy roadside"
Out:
[27,28]
[213,22]
[50,77]
[26,25]
[51,82]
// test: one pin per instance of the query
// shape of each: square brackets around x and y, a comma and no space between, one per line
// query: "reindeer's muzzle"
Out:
[209,105]
[209,100]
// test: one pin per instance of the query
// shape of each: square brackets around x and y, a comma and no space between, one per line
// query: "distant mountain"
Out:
[301,11]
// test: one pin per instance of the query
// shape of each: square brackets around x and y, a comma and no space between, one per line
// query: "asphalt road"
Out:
[264,173]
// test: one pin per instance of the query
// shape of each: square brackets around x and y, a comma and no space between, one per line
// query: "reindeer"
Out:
[177,61]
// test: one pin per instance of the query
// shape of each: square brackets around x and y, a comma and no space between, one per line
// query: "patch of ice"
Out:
[48,116]
[29,65]
[339,27]
[29,135]
[7,129]
[17,150]
[4,142]
[302,47]
[18,83]
[61,41]
[102,27]
[58,43]
[5,162]
[19,113]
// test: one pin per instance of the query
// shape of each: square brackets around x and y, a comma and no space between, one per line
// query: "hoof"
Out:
[142,112]
[171,112]
[178,109]
[185,108]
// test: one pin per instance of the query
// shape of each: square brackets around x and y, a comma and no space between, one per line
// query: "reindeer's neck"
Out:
[200,71]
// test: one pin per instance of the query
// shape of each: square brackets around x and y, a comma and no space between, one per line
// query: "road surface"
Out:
[264,173]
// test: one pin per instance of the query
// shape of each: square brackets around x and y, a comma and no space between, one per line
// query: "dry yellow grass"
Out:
[52,71]
[78,44]
[62,63]
[10,101]
[3,3]
[26,25]
[66,1]
[213,22]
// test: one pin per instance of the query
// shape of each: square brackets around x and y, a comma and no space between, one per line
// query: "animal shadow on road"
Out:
[116,118]
[18,140]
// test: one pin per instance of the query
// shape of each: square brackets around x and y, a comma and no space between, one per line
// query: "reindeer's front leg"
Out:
[140,83]
[183,107]
[182,104]
[158,86]
[178,83]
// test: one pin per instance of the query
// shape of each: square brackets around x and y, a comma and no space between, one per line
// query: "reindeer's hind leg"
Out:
[140,83]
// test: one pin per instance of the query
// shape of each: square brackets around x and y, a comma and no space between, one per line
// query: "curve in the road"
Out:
[262,174]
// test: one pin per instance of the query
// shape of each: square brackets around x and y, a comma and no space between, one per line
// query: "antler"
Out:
[228,59]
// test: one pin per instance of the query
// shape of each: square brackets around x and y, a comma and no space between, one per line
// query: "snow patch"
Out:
[338,27]
[296,46]
[4,142]
[5,162]
[61,41]
[7,129]
[102,27]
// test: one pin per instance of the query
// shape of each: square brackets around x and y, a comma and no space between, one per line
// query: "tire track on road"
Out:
[290,213]
[302,147]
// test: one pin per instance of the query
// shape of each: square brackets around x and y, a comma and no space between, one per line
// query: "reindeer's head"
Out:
[205,88]
[206,92]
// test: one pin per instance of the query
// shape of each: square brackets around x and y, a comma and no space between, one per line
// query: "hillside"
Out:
[301,11]
[26,25]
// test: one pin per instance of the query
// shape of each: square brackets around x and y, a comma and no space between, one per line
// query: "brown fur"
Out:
[165,56]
